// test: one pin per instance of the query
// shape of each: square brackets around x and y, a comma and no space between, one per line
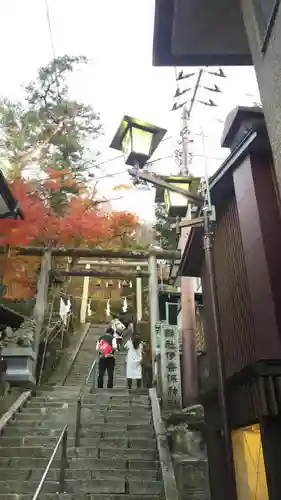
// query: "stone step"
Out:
[94,409]
[29,474]
[131,453]
[117,458]
[88,403]
[100,442]
[108,485]
[72,486]
[13,431]
[81,496]
[70,417]
[44,452]
[116,486]
[19,462]
[112,464]
[97,395]
[80,463]
[86,451]
[28,426]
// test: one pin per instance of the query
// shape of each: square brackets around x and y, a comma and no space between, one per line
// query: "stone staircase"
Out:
[117,458]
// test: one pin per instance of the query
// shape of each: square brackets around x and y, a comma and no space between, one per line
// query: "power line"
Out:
[50,28]
[52,45]
[96,179]
[30,167]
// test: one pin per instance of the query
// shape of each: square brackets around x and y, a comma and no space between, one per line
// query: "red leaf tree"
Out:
[80,225]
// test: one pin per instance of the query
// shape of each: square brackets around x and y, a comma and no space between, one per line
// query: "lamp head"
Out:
[138,140]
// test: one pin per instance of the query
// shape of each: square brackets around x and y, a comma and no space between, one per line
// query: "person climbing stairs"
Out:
[117,457]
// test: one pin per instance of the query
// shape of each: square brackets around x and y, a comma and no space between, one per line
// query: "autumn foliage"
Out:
[82,224]
[50,135]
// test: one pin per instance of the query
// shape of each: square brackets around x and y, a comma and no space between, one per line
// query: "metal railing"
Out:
[62,329]
[91,373]
[62,440]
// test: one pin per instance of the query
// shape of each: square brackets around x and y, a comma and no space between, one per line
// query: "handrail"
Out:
[62,440]
[92,373]
[48,333]
[11,413]
[61,330]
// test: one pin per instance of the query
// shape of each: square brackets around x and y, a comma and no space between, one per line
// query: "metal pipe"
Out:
[78,423]
[94,379]
[79,403]
[63,462]
[61,440]
[158,181]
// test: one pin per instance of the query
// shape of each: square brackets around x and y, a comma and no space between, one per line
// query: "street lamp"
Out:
[205,220]
[9,207]
[138,140]
[175,203]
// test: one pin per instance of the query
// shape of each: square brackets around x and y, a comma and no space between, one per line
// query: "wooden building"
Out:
[247,255]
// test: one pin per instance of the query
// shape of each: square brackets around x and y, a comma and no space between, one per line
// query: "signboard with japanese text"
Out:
[170,367]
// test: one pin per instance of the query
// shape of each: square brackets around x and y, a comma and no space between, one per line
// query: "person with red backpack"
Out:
[106,347]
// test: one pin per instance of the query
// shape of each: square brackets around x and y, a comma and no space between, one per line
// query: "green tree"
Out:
[165,234]
[51,129]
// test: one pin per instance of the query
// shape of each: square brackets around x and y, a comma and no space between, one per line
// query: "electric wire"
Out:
[50,28]
[52,44]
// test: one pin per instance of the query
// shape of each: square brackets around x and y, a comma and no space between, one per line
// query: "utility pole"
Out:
[184,166]
[188,320]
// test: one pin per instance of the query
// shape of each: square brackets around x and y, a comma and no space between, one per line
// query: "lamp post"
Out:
[138,141]
[206,220]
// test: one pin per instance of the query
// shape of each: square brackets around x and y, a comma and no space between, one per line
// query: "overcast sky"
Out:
[116,36]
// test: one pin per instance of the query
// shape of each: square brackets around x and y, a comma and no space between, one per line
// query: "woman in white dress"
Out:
[134,361]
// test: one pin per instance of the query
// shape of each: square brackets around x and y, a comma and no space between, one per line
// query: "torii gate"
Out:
[150,256]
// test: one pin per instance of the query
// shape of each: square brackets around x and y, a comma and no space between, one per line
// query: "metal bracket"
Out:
[199,221]
[157,181]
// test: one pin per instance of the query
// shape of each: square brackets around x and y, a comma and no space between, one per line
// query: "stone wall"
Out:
[185,432]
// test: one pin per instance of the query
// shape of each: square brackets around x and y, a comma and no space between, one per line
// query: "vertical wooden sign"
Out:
[170,367]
